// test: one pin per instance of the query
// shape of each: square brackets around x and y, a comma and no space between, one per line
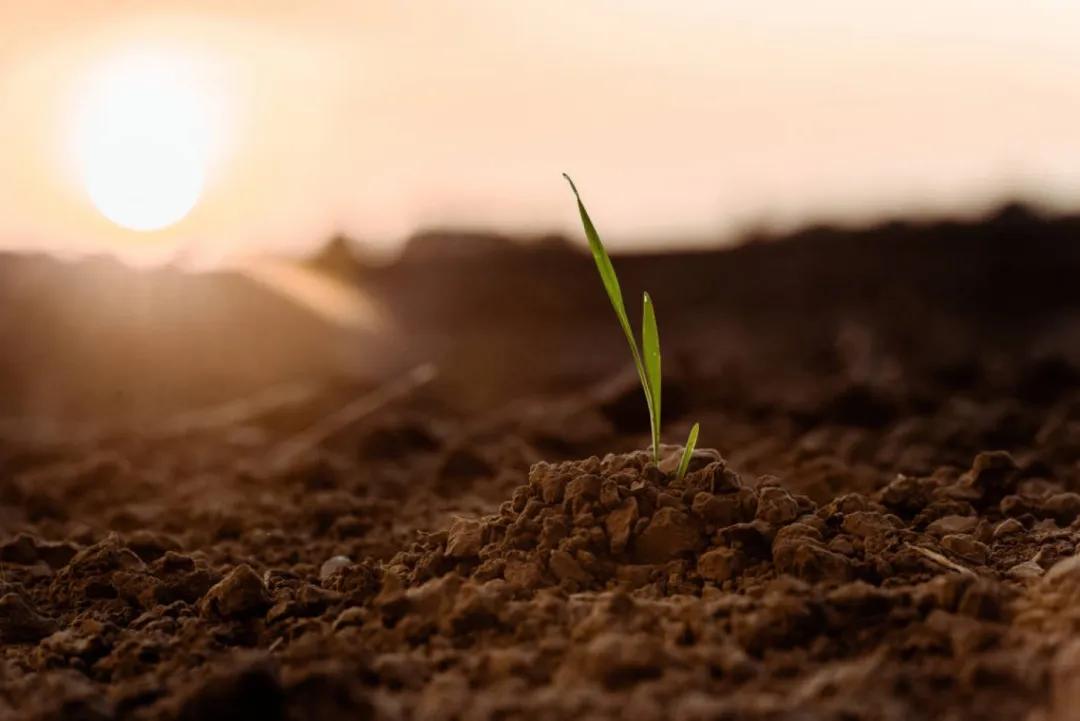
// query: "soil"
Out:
[882,521]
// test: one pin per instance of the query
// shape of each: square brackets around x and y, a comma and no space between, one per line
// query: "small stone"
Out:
[992,475]
[332,566]
[465,539]
[1064,507]
[1015,506]
[947,525]
[719,564]
[620,523]
[241,593]
[20,622]
[1008,527]
[1025,571]
[967,546]
[670,533]
[565,568]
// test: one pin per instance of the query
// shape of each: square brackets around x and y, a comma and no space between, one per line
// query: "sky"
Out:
[681,121]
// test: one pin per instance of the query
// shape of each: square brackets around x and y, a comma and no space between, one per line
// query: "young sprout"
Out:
[647,359]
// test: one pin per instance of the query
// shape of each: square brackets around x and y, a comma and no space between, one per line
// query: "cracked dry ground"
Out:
[425,566]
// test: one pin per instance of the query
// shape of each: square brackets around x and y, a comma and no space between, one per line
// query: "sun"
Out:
[142,137]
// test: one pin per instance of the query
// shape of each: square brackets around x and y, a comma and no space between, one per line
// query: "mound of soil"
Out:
[598,584]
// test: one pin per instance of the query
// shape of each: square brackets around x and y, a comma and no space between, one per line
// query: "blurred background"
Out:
[203,200]
[685,122]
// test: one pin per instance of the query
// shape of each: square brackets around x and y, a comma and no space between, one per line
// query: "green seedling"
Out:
[647,359]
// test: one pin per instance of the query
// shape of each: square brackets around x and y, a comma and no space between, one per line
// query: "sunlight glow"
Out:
[142,138]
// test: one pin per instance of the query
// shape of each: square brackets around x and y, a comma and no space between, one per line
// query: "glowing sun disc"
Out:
[142,141]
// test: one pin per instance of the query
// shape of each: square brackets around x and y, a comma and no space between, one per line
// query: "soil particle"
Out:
[719,564]
[725,510]
[27,550]
[465,539]
[550,481]
[811,561]
[776,506]
[620,523]
[870,524]
[80,644]
[1063,507]
[333,565]
[1025,571]
[993,475]
[565,568]
[906,493]
[241,593]
[105,570]
[1008,527]
[20,622]
[966,546]
[522,575]
[150,546]
[670,533]
[951,525]
[178,577]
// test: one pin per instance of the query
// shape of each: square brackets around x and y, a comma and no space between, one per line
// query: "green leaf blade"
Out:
[650,351]
[688,451]
[603,263]
[611,286]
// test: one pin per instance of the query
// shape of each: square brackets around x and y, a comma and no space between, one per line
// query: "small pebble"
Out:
[1008,527]
[332,566]
[1027,569]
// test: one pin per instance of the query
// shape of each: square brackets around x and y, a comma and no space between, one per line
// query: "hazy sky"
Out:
[677,119]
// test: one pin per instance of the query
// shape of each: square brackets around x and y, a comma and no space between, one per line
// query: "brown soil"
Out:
[888,531]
